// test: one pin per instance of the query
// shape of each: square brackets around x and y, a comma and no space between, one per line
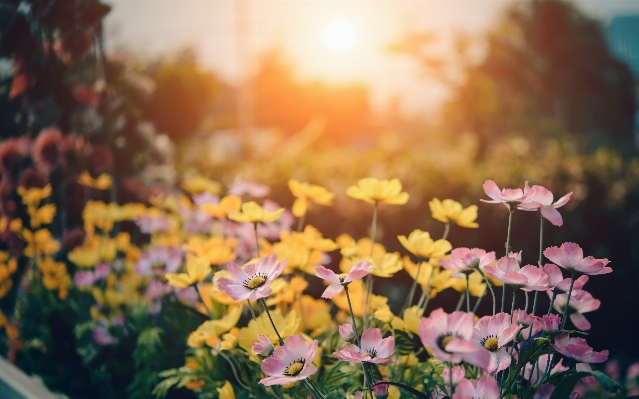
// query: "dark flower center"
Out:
[294,368]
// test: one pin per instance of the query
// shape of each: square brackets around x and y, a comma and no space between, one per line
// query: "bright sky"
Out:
[150,28]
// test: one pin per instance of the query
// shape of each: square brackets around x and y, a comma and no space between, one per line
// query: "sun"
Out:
[339,35]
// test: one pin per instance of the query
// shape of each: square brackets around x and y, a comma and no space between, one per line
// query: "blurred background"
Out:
[440,94]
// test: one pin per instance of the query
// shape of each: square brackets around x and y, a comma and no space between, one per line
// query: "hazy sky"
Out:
[151,28]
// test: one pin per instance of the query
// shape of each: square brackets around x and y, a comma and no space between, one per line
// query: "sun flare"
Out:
[339,35]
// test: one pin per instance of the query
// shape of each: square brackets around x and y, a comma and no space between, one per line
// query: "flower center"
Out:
[295,368]
[491,343]
[443,340]
[255,282]
[370,352]
[158,265]
[342,277]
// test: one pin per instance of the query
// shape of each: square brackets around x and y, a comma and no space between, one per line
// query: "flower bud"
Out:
[347,333]
[380,390]
[550,323]
[263,346]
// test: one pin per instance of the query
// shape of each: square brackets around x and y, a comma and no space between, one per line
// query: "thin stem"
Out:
[369,278]
[512,306]
[309,387]
[461,301]
[526,305]
[510,222]
[373,228]
[567,308]
[423,300]
[478,302]
[467,294]
[251,308]
[316,389]
[446,231]
[257,241]
[350,307]
[279,337]
[300,222]
[367,381]
[490,287]
[503,298]
[552,302]
[411,293]
[450,378]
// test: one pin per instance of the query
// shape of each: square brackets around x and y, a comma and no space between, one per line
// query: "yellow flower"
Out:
[384,314]
[200,184]
[231,203]
[355,291]
[476,284]
[217,250]
[372,190]
[226,392]
[412,318]
[15,225]
[6,270]
[229,341]
[315,313]
[39,243]
[305,192]
[425,271]
[197,270]
[420,244]
[262,326]
[54,275]
[353,252]
[254,213]
[34,195]
[214,292]
[214,328]
[452,211]
[86,255]
[102,182]
[387,265]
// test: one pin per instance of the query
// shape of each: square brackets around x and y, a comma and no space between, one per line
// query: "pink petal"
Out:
[358,271]
[595,357]
[580,321]
[552,215]
[332,290]
[326,274]
[508,334]
[491,190]
[237,272]
[563,200]
[387,347]
[371,339]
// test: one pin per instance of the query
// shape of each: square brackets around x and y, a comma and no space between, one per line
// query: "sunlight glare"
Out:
[339,35]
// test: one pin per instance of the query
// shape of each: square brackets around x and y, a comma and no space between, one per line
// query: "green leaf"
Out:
[565,387]
[403,343]
[605,381]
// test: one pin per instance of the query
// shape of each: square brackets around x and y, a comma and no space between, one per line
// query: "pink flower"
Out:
[83,278]
[580,302]
[525,320]
[252,281]
[103,337]
[47,149]
[506,196]
[495,333]
[240,188]
[380,390]
[528,278]
[159,260]
[557,280]
[347,333]
[467,260]
[485,388]
[542,200]
[458,374]
[375,349]
[448,336]
[290,362]
[543,362]
[151,224]
[359,270]
[263,346]
[550,323]
[571,257]
[578,349]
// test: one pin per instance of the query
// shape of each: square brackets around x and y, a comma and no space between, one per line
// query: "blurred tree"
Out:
[547,67]
[281,100]
[184,94]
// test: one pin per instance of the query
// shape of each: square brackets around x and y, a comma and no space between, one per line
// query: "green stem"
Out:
[503,298]
[490,287]
[251,308]
[526,305]
[461,301]
[567,308]
[411,293]
[369,278]
[446,231]
[467,294]
[367,381]
[300,222]
[512,307]
[510,222]
[552,302]
[279,337]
